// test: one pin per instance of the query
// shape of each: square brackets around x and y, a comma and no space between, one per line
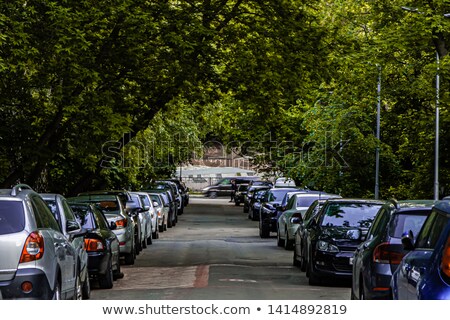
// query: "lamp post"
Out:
[436,146]
[377,153]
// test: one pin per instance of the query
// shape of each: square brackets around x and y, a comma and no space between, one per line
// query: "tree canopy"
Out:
[111,94]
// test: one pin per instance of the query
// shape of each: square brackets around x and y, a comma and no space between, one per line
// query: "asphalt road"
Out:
[215,253]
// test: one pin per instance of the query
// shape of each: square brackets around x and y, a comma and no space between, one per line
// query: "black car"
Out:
[249,197]
[270,208]
[378,257]
[224,187]
[256,203]
[302,232]
[240,194]
[333,236]
[101,244]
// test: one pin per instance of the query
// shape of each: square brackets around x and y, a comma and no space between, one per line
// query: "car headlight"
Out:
[326,246]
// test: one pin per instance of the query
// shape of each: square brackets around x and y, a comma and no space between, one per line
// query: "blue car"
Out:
[424,273]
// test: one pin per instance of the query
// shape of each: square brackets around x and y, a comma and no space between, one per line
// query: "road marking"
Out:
[153,278]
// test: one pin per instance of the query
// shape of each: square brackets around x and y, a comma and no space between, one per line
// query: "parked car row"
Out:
[54,247]
[387,249]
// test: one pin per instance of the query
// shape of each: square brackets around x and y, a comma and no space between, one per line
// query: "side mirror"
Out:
[408,241]
[113,225]
[155,204]
[296,220]
[72,225]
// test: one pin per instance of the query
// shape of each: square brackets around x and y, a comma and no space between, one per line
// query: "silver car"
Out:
[114,211]
[138,206]
[67,221]
[152,211]
[37,261]
[162,210]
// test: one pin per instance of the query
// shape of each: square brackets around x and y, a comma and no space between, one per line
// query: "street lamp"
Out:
[436,146]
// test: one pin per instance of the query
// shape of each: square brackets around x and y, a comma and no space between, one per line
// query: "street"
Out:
[215,253]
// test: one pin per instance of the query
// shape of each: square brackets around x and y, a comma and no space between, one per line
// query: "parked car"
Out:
[183,190]
[270,207]
[284,183]
[249,196]
[301,233]
[169,203]
[144,211]
[424,272]
[224,186]
[293,213]
[37,260]
[256,203]
[112,206]
[162,210]
[379,256]
[154,217]
[175,192]
[101,243]
[67,221]
[240,194]
[333,236]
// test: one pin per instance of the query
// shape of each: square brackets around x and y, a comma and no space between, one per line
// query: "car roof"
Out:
[415,204]
[355,200]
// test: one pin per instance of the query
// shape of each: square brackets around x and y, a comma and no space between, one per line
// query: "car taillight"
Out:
[122,223]
[93,245]
[383,254]
[33,249]
[445,264]
[159,213]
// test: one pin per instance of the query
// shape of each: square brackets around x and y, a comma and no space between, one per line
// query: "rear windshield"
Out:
[402,223]
[84,216]
[156,198]
[12,217]
[353,215]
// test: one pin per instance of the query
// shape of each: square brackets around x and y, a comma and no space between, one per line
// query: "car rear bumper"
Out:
[40,286]
[97,263]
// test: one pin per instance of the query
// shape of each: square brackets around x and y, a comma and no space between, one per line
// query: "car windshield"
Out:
[277,195]
[303,202]
[352,215]
[12,217]
[405,222]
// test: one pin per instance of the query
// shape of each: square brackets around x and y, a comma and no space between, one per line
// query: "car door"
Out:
[415,263]
[63,251]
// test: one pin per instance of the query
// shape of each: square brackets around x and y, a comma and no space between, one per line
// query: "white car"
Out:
[162,210]
[147,200]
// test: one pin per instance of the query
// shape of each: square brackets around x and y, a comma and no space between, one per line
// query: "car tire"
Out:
[302,262]
[287,243]
[213,195]
[280,242]
[150,239]
[105,281]
[145,243]
[245,209]
[313,280]
[87,289]
[295,262]
[169,223]
[130,257]
[78,290]
[155,235]
[118,274]
[57,290]
[264,231]
[161,227]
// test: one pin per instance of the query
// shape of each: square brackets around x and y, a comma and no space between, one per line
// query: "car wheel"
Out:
[86,289]
[155,234]
[57,291]
[213,195]
[105,281]
[287,243]
[150,239]
[264,231]
[280,241]
[169,223]
[161,227]
[118,274]
[237,204]
[130,257]
[312,278]
[245,209]
[78,291]
[144,243]
[295,262]
[302,261]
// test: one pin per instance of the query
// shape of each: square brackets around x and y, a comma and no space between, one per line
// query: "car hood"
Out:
[343,236]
